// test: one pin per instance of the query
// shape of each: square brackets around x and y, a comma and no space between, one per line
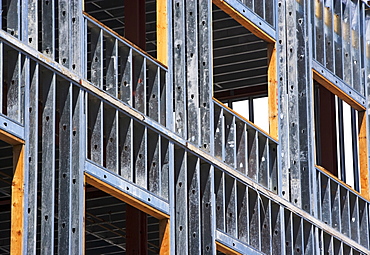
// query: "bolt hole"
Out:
[63,225]
[5,124]
[74,181]
[105,176]
[30,40]
[180,228]
[64,176]
[47,118]
[73,230]
[64,13]
[149,199]
[180,184]
[46,217]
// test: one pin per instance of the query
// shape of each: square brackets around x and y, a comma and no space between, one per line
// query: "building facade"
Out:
[184,127]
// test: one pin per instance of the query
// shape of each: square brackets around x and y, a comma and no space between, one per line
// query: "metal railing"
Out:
[342,208]
[244,147]
[124,71]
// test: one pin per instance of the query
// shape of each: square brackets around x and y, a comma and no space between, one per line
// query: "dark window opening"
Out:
[114,227]
[240,69]
[336,136]
[134,20]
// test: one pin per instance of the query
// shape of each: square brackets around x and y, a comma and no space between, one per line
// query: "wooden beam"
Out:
[164,237]
[8,138]
[272,92]
[363,157]
[224,249]
[125,197]
[17,207]
[243,20]
[162,32]
[337,91]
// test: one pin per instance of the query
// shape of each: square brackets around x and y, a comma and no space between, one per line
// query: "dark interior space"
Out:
[114,227]
[134,20]
[6,176]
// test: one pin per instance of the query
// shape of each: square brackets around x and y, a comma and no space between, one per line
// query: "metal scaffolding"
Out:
[134,127]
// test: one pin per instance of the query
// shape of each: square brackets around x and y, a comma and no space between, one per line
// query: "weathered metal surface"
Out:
[219,177]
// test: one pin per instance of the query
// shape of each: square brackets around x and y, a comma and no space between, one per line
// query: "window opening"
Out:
[241,70]
[113,226]
[337,136]
[134,20]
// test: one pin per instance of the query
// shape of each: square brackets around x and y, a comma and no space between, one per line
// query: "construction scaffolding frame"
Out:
[111,129]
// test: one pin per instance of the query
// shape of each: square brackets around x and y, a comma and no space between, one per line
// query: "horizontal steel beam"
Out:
[126,187]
